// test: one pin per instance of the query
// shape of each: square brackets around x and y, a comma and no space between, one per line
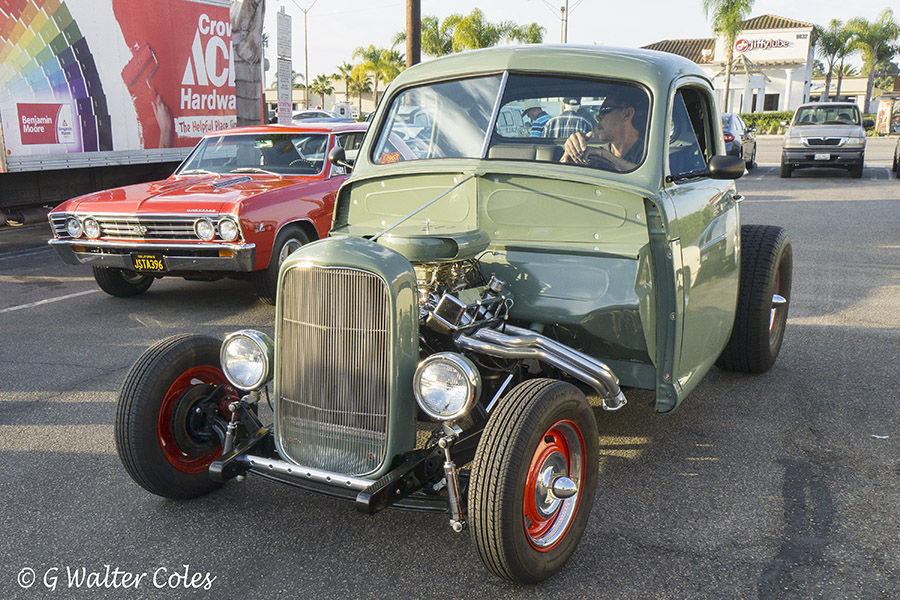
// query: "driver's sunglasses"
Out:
[605,110]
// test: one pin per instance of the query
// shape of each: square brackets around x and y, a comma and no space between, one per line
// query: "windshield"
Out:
[443,120]
[538,114]
[827,115]
[279,153]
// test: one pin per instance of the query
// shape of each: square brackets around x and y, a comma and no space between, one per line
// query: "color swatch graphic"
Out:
[45,60]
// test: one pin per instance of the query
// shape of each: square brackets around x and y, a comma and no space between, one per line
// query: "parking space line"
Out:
[47,301]
[20,253]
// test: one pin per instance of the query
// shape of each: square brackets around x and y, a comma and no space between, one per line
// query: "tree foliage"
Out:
[876,41]
[460,32]
[727,20]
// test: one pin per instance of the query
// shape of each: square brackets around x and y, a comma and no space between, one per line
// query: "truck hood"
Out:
[191,194]
[827,131]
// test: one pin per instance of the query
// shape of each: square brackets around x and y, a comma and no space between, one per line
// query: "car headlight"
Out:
[855,142]
[205,229]
[246,357]
[91,228]
[228,229]
[446,385]
[793,142]
[73,227]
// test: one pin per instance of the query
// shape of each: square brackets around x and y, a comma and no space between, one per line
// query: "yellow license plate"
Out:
[152,263]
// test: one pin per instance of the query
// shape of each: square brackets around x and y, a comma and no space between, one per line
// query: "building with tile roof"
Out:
[771,64]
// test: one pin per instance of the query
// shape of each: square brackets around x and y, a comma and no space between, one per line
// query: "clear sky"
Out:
[336,27]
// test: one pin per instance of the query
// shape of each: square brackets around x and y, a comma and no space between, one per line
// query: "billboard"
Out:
[82,76]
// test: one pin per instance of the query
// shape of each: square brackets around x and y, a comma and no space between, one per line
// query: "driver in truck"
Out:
[617,142]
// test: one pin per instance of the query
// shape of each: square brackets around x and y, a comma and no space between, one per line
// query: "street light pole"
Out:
[305,53]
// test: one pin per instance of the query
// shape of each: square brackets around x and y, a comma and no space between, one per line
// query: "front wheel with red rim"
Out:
[533,480]
[163,416]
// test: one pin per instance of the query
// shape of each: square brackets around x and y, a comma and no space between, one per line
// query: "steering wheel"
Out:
[308,162]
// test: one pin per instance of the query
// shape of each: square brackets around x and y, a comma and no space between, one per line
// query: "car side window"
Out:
[685,152]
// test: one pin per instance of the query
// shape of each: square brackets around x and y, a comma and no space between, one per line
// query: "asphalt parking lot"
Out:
[783,485]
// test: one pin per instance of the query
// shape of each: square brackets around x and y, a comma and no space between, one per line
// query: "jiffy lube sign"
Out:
[770,45]
[79,76]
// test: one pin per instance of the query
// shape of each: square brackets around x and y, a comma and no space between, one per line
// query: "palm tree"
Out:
[832,45]
[343,74]
[359,83]
[727,18]
[322,85]
[468,32]
[371,62]
[876,42]
[392,63]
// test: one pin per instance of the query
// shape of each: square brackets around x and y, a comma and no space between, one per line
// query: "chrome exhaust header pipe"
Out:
[518,343]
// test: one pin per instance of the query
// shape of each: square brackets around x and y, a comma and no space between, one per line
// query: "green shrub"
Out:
[768,122]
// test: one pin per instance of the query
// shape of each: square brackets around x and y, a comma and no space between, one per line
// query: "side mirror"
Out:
[725,167]
[868,123]
[338,158]
[752,129]
[784,123]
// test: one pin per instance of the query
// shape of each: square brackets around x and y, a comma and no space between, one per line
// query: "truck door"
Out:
[708,225]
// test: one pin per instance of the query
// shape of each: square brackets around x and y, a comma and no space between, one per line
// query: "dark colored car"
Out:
[896,167]
[739,138]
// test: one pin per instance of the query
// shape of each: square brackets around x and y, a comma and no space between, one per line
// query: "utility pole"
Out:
[305,52]
[564,12]
[413,32]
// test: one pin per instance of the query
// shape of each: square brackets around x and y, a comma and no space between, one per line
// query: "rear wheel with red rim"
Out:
[164,414]
[533,480]
[764,296]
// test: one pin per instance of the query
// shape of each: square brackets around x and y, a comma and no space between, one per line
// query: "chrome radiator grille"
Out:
[145,227]
[333,368]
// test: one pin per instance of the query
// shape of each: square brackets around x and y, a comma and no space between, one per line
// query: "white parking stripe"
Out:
[29,252]
[47,301]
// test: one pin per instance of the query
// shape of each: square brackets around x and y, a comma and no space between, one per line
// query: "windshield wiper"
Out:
[198,172]
[686,176]
[254,170]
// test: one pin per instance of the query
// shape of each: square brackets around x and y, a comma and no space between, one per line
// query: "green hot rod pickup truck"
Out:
[482,281]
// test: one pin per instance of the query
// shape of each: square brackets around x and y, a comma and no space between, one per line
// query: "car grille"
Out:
[145,227]
[824,141]
[333,368]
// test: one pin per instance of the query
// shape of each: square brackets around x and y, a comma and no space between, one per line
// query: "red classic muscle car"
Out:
[236,207]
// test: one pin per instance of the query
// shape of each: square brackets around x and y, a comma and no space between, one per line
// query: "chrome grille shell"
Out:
[333,385]
[346,348]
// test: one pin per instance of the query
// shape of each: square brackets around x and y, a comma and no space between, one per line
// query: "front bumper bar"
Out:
[801,158]
[178,257]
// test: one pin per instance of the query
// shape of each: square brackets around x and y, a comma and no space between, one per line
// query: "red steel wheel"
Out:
[181,459]
[165,446]
[560,453]
[533,480]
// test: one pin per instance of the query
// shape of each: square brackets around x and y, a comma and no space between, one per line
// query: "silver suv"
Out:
[825,134]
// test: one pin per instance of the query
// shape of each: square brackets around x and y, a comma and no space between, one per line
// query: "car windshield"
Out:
[726,122]
[443,120]
[539,113]
[280,153]
[827,115]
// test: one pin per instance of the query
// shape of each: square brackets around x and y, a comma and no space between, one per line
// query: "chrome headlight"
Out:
[228,229]
[205,229]
[246,358]
[446,385]
[91,228]
[793,142]
[73,227]
[855,142]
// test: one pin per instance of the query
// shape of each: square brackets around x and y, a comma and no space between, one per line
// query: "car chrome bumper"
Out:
[178,257]
[806,157]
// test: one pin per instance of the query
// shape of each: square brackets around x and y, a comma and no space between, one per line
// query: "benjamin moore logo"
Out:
[745,45]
